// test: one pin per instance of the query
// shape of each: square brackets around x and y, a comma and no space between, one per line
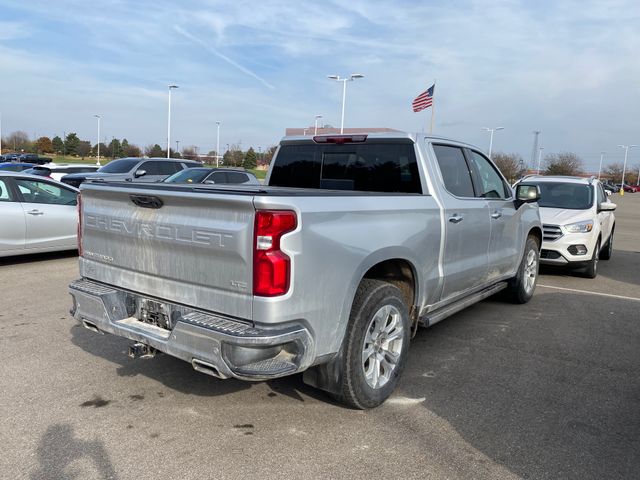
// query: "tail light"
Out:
[79,224]
[340,139]
[271,266]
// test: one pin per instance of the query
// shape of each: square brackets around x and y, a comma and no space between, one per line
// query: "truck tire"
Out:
[522,286]
[375,346]
[607,250]
[591,270]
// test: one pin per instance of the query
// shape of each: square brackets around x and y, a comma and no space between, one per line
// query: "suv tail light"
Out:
[80,224]
[271,266]
[339,139]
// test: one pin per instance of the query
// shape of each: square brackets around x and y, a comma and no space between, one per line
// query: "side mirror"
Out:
[139,173]
[209,182]
[527,193]
[607,207]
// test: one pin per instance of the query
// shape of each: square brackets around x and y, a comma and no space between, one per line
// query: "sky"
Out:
[567,68]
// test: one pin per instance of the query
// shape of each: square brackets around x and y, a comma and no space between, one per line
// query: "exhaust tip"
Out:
[90,326]
[205,367]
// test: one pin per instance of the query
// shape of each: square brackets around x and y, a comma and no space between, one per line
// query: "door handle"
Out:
[35,212]
[455,218]
[496,214]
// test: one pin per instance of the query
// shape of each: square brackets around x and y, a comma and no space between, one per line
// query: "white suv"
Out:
[577,220]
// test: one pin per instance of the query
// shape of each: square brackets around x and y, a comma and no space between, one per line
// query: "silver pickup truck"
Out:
[352,243]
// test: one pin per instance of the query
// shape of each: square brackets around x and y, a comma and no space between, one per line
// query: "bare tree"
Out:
[17,141]
[510,164]
[613,172]
[565,163]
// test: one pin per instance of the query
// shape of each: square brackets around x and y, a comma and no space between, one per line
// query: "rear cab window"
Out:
[372,166]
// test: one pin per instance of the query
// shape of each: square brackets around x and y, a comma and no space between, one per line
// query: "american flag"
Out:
[424,100]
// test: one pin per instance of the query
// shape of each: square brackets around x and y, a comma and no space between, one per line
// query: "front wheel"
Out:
[591,270]
[607,251]
[375,345]
[522,286]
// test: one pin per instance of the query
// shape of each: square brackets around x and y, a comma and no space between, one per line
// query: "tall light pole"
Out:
[171,87]
[218,145]
[98,117]
[539,158]
[534,152]
[177,145]
[624,166]
[344,81]
[600,167]
[315,130]
[491,137]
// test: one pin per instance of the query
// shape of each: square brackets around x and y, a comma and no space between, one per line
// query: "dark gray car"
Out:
[133,170]
[213,176]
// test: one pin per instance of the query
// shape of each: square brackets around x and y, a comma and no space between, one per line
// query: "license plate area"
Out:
[155,313]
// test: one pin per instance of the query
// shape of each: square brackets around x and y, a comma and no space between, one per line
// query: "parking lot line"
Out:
[586,292]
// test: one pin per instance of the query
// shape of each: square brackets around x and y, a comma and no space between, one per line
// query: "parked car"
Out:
[38,214]
[213,176]
[133,170]
[609,188]
[15,166]
[11,157]
[33,158]
[626,187]
[578,222]
[353,242]
[58,170]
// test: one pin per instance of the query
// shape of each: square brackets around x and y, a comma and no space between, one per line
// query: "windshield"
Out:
[574,196]
[123,165]
[190,175]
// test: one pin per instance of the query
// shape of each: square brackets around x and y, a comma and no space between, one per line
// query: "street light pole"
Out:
[344,81]
[177,146]
[600,167]
[171,87]
[218,145]
[98,117]
[491,137]
[624,166]
[539,158]
[315,130]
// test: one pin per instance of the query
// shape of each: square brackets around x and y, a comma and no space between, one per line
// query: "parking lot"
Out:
[550,389]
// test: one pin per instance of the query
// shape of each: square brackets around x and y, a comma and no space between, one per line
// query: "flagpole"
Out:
[433,107]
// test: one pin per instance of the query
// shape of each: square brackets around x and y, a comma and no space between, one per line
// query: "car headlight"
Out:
[579,227]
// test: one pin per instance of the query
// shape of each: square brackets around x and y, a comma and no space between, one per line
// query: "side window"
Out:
[237,177]
[602,197]
[152,168]
[169,168]
[34,191]
[5,193]
[218,177]
[491,183]
[454,169]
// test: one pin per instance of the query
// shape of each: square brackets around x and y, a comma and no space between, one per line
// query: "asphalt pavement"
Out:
[550,389]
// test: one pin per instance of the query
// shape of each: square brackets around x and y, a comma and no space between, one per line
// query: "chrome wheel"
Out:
[382,346]
[530,271]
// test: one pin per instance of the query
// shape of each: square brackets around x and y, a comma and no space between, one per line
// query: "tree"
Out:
[131,150]
[58,144]
[267,156]
[18,141]
[115,148]
[510,164]
[250,161]
[154,151]
[565,163]
[84,148]
[71,144]
[44,145]
[189,152]
[613,172]
[103,150]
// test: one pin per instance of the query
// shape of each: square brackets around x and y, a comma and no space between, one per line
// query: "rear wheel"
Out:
[607,251]
[375,345]
[522,286]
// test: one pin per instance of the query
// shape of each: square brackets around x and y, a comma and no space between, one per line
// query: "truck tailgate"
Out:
[193,248]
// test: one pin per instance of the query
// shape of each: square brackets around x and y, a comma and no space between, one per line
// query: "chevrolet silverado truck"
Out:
[328,269]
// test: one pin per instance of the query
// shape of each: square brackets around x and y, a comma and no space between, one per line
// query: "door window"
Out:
[5,193]
[34,191]
[602,197]
[218,177]
[455,171]
[237,177]
[152,168]
[489,180]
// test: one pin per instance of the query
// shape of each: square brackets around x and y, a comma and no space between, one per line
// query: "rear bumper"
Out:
[213,344]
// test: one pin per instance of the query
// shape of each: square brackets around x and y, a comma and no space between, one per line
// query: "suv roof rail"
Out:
[591,179]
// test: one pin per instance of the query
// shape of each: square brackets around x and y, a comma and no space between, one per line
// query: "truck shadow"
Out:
[548,390]
[179,375]
[37,257]
[59,449]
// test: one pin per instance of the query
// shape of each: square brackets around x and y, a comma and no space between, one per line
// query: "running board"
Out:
[434,317]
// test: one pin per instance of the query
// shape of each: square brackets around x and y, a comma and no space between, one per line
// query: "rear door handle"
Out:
[35,212]
[455,218]
[496,214]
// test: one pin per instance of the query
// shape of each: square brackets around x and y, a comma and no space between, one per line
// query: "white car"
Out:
[577,220]
[38,214]
[59,170]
